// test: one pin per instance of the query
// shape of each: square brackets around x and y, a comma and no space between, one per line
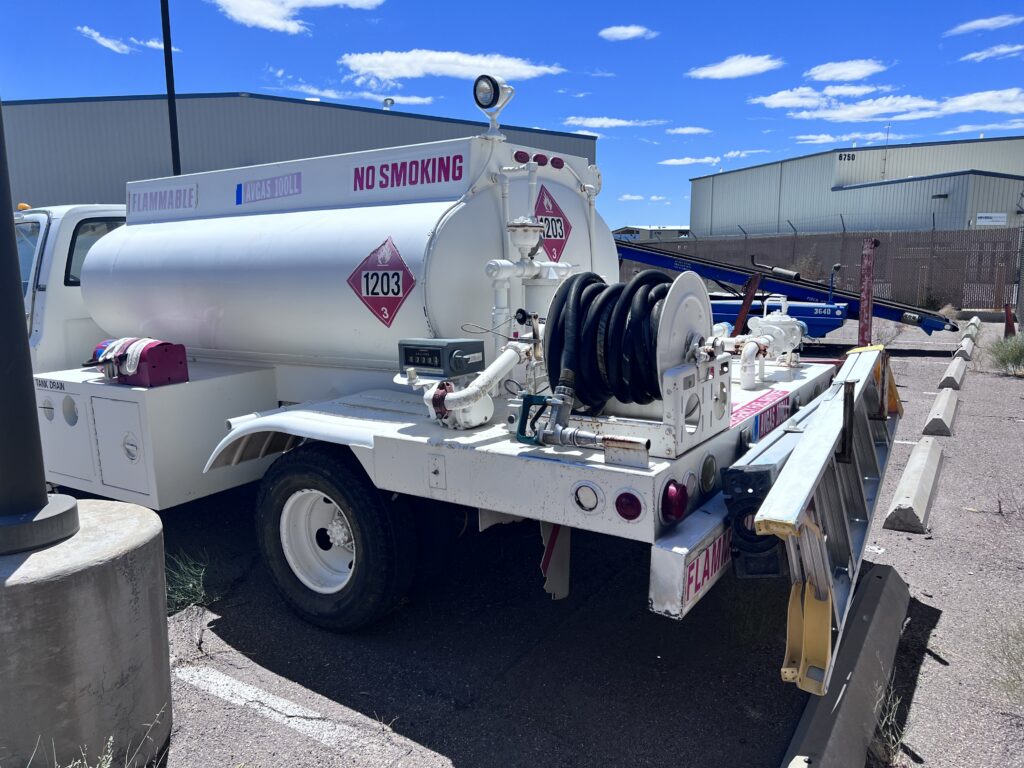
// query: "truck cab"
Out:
[52,244]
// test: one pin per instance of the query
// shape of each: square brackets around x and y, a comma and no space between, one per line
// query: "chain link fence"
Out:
[968,268]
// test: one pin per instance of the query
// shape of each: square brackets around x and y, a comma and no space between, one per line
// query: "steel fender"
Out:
[263,435]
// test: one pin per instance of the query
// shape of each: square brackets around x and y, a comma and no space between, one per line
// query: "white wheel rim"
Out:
[317,540]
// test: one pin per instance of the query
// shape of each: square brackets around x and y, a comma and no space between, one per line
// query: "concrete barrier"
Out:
[940,417]
[953,378]
[836,729]
[975,321]
[970,332]
[83,628]
[912,501]
[966,349]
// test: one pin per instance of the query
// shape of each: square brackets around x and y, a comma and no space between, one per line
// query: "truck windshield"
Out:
[27,236]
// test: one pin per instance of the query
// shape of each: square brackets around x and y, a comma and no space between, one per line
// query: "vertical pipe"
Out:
[867,291]
[23,489]
[172,105]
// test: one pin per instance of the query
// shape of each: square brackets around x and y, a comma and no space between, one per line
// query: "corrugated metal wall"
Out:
[83,151]
[763,199]
[901,162]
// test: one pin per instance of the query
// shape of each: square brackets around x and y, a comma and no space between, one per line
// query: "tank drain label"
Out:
[556,224]
[383,281]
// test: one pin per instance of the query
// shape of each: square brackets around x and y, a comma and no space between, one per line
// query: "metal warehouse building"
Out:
[942,185]
[84,150]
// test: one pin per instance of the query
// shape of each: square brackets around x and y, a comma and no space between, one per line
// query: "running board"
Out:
[793,287]
[821,473]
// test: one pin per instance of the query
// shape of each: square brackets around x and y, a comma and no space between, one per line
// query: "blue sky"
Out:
[674,89]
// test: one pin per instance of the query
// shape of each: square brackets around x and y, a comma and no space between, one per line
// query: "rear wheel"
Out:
[339,556]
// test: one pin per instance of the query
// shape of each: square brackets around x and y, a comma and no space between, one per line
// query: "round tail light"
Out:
[673,502]
[540,159]
[557,162]
[521,156]
[629,506]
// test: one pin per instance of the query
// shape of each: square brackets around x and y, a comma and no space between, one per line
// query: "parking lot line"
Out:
[309,723]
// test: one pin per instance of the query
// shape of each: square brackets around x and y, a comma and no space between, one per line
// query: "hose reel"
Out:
[607,341]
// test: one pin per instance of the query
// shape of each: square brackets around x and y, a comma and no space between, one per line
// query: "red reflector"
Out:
[521,156]
[673,502]
[540,159]
[557,162]
[628,506]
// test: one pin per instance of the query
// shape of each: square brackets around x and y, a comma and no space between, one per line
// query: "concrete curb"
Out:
[836,729]
[940,417]
[912,501]
[975,321]
[970,332]
[966,349]
[953,378]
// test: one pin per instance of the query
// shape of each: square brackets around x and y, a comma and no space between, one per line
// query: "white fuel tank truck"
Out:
[369,332]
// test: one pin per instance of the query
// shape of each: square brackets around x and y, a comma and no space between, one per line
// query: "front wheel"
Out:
[339,556]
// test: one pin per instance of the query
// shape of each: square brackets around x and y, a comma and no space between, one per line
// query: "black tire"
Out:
[384,537]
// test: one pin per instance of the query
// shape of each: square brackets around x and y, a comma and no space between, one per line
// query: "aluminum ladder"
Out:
[818,478]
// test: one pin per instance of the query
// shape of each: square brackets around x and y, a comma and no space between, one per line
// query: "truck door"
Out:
[29,234]
[63,333]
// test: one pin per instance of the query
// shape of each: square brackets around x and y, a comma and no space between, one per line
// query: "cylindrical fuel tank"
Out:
[339,285]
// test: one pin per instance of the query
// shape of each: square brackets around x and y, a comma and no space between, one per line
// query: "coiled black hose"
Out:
[602,339]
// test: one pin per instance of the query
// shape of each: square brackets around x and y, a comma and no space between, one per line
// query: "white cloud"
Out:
[156,45]
[691,161]
[984,25]
[687,130]
[117,46]
[282,15]
[627,32]
[601,73]
[595,134]
[740,65]
[854,69]
[995,52]
[610,122]
[824,106]
[331,93]
[630,198]
[853,90]
[732,154]
[657,198]
[882,108]
[1009,125]
[577,95]
[803,96]
[828,138]
[383,68]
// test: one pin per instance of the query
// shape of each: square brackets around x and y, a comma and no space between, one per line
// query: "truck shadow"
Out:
[482,667]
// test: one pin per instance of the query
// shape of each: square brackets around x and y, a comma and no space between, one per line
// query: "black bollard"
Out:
[29,518]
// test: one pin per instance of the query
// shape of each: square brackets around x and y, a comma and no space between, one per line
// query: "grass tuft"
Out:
[1010,663]
[186,582]
[886,747]
[1008,354]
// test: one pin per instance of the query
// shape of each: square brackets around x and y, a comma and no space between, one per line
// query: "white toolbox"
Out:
[113,436]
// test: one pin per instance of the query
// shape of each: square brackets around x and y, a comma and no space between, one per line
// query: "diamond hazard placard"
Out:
[556,224]
[383,281]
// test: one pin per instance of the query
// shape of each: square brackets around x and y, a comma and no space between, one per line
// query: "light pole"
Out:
[172,104]
[29,518]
